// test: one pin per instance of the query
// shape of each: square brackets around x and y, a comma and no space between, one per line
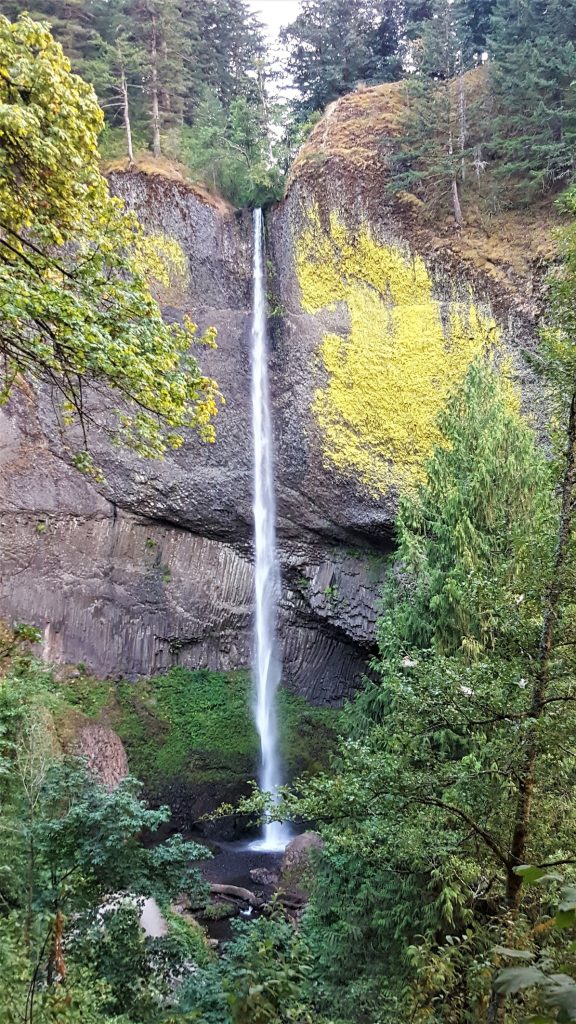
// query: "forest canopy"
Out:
[195,81]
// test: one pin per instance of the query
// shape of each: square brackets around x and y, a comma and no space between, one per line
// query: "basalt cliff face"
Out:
[374,317]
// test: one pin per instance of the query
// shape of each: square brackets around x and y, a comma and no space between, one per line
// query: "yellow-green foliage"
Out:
[403,354]
[75,307]
[161,258]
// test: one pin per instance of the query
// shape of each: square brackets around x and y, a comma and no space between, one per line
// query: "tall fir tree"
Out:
[534,83]
[434,150]
[157,32]
[333,45]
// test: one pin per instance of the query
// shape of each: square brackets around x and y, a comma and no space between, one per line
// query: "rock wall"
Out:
[370,328]
[154,568]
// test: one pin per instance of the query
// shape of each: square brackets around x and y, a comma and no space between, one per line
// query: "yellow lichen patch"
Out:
[404,352]
[162,261]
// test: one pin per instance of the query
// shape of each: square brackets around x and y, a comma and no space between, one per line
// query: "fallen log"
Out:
[236,892]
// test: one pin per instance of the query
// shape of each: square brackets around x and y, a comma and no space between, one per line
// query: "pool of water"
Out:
[231,865]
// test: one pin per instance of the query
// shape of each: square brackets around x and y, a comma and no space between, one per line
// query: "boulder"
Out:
[103,752]
[296,864]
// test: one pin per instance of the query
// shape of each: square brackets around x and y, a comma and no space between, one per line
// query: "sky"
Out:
[274,14]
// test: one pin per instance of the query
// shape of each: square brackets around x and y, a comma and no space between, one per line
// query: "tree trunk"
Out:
[29,896]
[56,967]
[126,113]
[236,892]
[264,104]
[156,145]
[454,184]
[496,1008]
[462,121]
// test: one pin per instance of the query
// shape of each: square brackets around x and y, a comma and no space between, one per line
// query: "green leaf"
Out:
[529,873]
[562,995]
[515,979]
[519,954]
[564,919]
[569,899]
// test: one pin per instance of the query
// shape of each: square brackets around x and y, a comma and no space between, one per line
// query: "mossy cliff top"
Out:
[165,170]
[345,163]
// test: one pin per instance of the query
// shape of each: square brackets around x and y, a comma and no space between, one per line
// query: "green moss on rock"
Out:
[195,727]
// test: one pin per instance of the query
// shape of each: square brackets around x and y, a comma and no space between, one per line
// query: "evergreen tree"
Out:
[229,150]
[434,149]
[479,13]
[334,44]
[423,812]
[222,45]
[151,61]
[473,14]
[156,29]
[235,44]
[72,23]
[533,79]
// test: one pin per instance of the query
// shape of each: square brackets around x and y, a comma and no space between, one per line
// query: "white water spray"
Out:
[267,664]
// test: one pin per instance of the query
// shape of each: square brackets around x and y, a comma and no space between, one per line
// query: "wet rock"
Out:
[296,864]
[265,876]
[191,804]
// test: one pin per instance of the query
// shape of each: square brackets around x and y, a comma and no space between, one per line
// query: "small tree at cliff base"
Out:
[74,874]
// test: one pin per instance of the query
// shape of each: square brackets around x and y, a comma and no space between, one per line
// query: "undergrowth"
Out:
[197,724]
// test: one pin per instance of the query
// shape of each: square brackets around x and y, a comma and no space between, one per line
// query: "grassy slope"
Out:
[196,725]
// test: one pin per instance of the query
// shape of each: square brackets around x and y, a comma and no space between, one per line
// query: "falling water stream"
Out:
[267,662]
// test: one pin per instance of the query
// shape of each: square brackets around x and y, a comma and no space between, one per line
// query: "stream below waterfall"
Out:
[232,864]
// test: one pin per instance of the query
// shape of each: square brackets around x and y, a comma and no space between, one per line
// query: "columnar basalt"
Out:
[368,335]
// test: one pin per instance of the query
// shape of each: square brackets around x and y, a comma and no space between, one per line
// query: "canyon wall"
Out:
[374,317]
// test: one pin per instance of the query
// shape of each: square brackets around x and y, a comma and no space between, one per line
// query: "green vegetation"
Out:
[499,137]
[188,81]
[75,309]
[74,873]
[197,725]
[334,45]
[545,972]
[262,978]
[74,953]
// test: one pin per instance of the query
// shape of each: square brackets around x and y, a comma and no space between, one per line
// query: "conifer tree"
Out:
[478,21]
[156,29]
[433,150]
[533,79]
[334,45]
[418,875]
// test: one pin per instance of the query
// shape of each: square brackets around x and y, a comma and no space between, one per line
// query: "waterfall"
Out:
[267,664]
